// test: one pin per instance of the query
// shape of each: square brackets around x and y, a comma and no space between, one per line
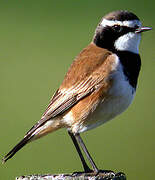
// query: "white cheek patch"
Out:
[128,42]
[130,23]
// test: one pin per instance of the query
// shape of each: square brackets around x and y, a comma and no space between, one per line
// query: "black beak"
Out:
[142,29]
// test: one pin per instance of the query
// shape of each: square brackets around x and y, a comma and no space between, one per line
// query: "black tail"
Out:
[22,143]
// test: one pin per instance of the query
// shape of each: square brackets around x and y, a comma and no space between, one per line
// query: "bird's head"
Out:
[119,31]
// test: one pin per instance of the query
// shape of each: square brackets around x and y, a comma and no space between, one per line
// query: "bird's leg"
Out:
[80,141]
[85,166]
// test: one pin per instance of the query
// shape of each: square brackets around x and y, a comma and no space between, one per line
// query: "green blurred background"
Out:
[38,41]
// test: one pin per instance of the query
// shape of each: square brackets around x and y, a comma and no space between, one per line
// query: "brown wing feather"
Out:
[84,64]
[86,74]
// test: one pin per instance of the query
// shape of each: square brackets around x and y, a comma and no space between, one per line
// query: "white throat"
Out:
[128,42]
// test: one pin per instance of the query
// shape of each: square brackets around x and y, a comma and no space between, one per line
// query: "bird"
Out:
[99,85]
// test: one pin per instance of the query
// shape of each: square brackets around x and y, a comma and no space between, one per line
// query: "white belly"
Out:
[121,96]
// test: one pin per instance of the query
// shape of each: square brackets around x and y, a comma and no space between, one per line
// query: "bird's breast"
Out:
[120,96]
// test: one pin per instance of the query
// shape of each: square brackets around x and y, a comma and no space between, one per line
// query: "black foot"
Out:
[78,173]
[91,172]
[102,174]
[105,171]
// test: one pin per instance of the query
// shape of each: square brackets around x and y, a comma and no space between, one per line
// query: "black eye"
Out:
[117,28]
[136,27]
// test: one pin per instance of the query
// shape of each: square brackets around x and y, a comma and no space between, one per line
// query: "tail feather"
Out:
[27,138]
[37,131]
[22,143]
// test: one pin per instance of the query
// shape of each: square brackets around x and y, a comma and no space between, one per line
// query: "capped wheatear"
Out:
[100,84]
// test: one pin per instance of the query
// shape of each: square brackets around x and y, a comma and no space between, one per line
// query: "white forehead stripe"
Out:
[129,23]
